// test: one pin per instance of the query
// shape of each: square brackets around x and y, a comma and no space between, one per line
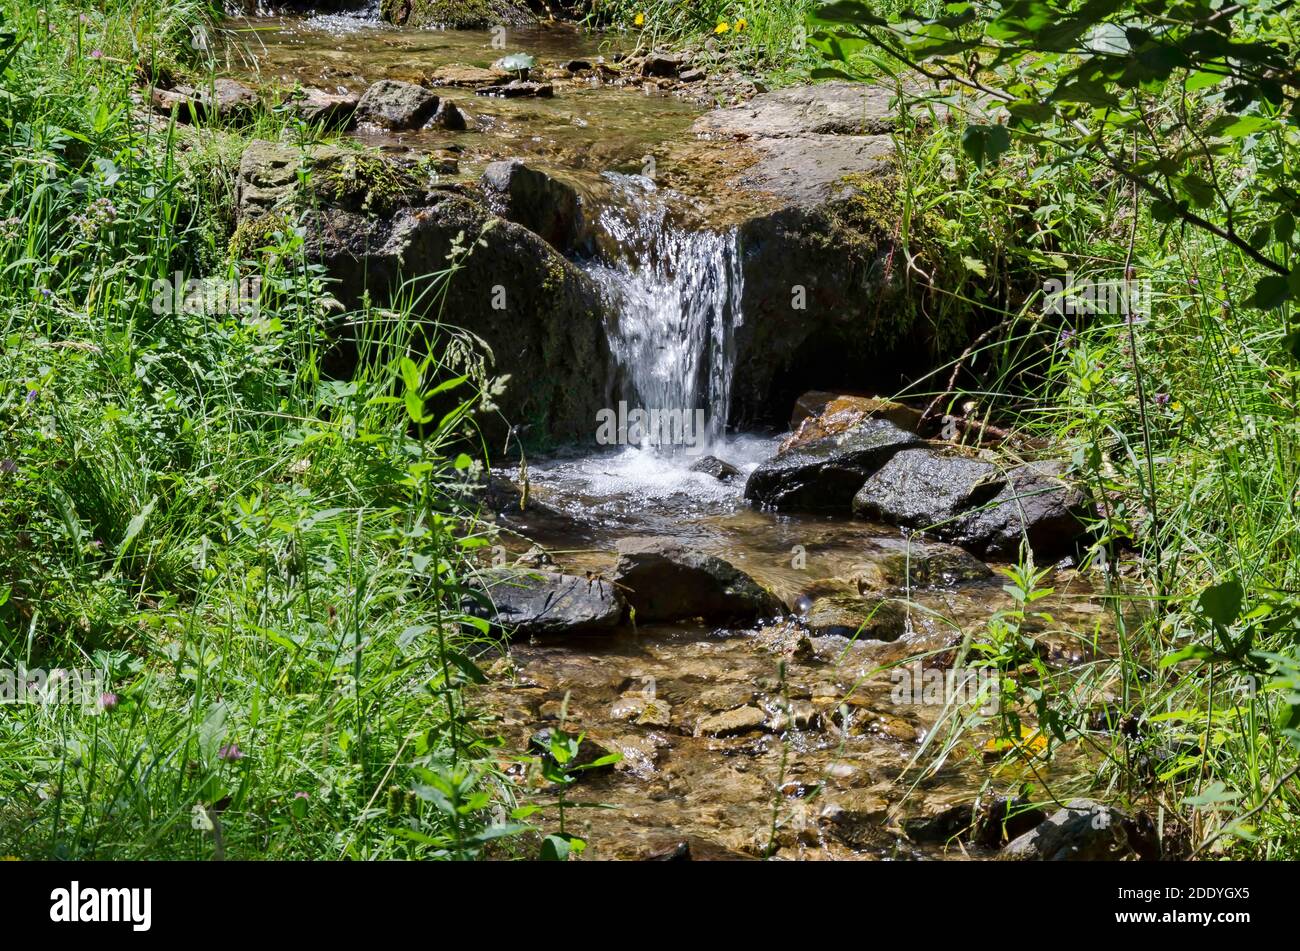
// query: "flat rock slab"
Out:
[834,108]
[666,581]
[735,722]
[533,603]
[809,138]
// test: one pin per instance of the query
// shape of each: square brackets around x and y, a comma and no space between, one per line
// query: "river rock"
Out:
[922,488]
[459,74]
[917,565]
[371,221]
[735,722]
[825,473]
[975,503]
[316,106]
[517,89]
[455,14]
[1084,831]
[664,580]
[448,116]
[1037,505]
[229,100]
[397,105]
[864,619]
[818,414]
[720,470]
[661,64]
[533,603]
[542,203]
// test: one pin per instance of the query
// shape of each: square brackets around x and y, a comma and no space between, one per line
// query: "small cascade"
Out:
[674,296]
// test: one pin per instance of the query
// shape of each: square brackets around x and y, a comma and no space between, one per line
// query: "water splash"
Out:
[673,296]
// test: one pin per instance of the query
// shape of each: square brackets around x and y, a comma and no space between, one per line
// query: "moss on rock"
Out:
[455,14]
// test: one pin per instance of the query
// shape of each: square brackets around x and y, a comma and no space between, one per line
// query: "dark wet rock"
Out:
[998,819]
[318,107]
[517,89]
[455,14]
[661,64]
[692,75]
[664,580]
[577,65]
[459,74]
[940,827]
[720,470]
[824,474]
[541,202]
[1084,831]
[374,221]
[826,291]
[537,603]
[925,489]
[1036,505]
[868,619]
[735,722]
[397,105]
[227,99]
[975,503]
[449,116]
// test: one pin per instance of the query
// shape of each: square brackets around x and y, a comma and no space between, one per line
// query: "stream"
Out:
[838,768]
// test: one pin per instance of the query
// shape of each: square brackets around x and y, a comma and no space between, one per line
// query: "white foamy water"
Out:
[674,294]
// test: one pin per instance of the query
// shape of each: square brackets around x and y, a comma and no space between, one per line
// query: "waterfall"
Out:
[674,303]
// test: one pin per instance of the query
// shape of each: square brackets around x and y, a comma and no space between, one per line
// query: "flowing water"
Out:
[840,764]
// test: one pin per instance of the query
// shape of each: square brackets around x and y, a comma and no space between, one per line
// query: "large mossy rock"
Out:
[827,294]
[454,14]
[824,473]
[541,202]
[375,223]
[667,581]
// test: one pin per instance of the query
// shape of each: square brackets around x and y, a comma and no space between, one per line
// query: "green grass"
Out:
[265,565]
[1184,424]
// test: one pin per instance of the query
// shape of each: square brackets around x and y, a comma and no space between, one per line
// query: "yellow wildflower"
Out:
[723,27]
[741,23]
[639,20]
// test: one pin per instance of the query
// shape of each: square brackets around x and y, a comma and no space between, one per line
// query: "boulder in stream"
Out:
[541,202]
[718,468]
[374,221]
[396,105]
[537,603]
[860,618]
[975,503]
[1084,831]
[922,488]
[825,473]
[665,580]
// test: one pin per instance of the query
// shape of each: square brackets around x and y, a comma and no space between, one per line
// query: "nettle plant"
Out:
[1192,102]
